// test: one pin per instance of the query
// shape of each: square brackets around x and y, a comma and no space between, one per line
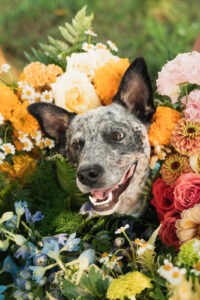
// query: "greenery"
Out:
[155,29]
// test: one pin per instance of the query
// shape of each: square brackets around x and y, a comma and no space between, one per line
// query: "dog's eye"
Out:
[77,145]
[117,136]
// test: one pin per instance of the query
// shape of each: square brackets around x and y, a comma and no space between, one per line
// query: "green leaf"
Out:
[71,291]
[69,38]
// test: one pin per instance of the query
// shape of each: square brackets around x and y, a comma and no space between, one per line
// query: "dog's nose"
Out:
[90,174]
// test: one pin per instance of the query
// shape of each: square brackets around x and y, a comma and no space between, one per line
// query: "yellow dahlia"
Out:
[39,75]
[185,137]
[8,101]
[23,121]
[188,227]
[164,121]
[107,79]
[174,166]
[128,285]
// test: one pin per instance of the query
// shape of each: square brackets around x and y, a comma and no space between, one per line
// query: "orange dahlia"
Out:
[8,101]
[107,79]
[174,166]
[23,121]
[39,75]
[164,121]
[185,137]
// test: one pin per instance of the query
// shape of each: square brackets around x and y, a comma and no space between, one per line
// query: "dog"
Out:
[108,145]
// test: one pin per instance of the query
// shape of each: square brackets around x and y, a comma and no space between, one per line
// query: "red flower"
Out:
[163,199]
[168,229]
[187,191]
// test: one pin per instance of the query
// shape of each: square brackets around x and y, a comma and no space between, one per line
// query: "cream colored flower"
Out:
[104,56]
[74,92]
[195,163]
[112,46]
[188,227]
[1,119]
[183,291]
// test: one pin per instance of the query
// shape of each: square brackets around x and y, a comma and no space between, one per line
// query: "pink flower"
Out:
[187,191]
[192,111]
[184,68]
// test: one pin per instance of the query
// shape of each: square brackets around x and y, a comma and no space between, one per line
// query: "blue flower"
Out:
[2,289]
[51,248]
[20,207]
[40,259]
[38,272]
[61,238]
[12,223]
[86,208]
[25,250]
[72,243]
[34,218]
[9,266]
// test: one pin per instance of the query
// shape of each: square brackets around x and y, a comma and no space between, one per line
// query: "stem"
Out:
[27,228]
[61,265]
[51,266]
[18,220]
[132,249]
[5,134]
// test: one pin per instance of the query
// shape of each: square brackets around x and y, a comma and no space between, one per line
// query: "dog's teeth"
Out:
[92,200]
[109,197]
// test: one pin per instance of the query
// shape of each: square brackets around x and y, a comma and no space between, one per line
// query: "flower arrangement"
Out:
[59,253]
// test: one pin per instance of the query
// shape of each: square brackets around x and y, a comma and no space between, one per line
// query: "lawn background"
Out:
[155,29]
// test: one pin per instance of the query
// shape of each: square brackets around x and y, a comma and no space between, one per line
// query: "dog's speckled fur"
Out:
[87,139]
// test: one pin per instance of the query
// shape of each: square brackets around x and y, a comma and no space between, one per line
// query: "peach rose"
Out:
[187,191]
[188,227]
[74,92]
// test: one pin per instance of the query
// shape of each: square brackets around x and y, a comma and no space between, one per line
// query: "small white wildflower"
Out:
[143,247]
[8,148]
[1,119]
[5,68]
[101,46]
[112,46]
[20,84]
[27,144]
[105,258]
[139,241]
[113,262]
[175,276]
[121,229]
[22,135]
[49,143]
[40,143]
[90,32]
[2,157]
[47,96]
[165,269]
[38,136]
[28,93]
[196,269]
[87,47]
[37,97]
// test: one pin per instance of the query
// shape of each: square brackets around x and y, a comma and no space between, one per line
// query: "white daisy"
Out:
[38,136]
[143,247]
[2,157]
[165,270]
[121,229]
[27,144]
[5,68]
[87,47]
[175,276]
[49,143]
[40,143]
[112,46]
[21,135]
[20,84]
[113,262]
[101,46]
[196,269]
[37,97]
[90,32]
[105,258]
[139,241]
[28,93]
[47,96]
[1,119]
[8,148]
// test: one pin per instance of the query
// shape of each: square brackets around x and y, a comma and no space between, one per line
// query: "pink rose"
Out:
[187,191]
[192,110]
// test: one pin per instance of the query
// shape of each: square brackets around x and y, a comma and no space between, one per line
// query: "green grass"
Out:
[155,29]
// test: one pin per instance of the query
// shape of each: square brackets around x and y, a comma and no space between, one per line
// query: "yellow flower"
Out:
[8,100]
[183,291]
[107,79]
[74,92]
[23,121]
[128,285]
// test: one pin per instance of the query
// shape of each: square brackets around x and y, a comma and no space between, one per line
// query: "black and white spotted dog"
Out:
[108,145]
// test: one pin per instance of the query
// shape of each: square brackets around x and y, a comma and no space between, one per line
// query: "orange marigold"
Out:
[107,79]
[8,100]
[23,121]
[39,75]
[164,121]
[23,166]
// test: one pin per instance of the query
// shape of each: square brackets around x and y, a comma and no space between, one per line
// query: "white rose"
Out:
[74,92]
[104,56]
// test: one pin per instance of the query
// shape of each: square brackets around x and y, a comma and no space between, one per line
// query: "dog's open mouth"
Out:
[106,199]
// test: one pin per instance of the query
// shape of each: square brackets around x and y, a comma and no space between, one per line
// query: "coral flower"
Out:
[39,75]
[174,166]
[188,227]
[164,121]
[107,79]
[185,137]
[23,121]
[8,100]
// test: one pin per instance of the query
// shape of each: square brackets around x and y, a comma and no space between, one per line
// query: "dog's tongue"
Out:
[103,194]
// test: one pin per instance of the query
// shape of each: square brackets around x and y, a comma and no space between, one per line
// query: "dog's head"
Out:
[108,145]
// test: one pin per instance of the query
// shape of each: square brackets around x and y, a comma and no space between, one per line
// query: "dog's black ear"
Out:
[53,120]
[135,90]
